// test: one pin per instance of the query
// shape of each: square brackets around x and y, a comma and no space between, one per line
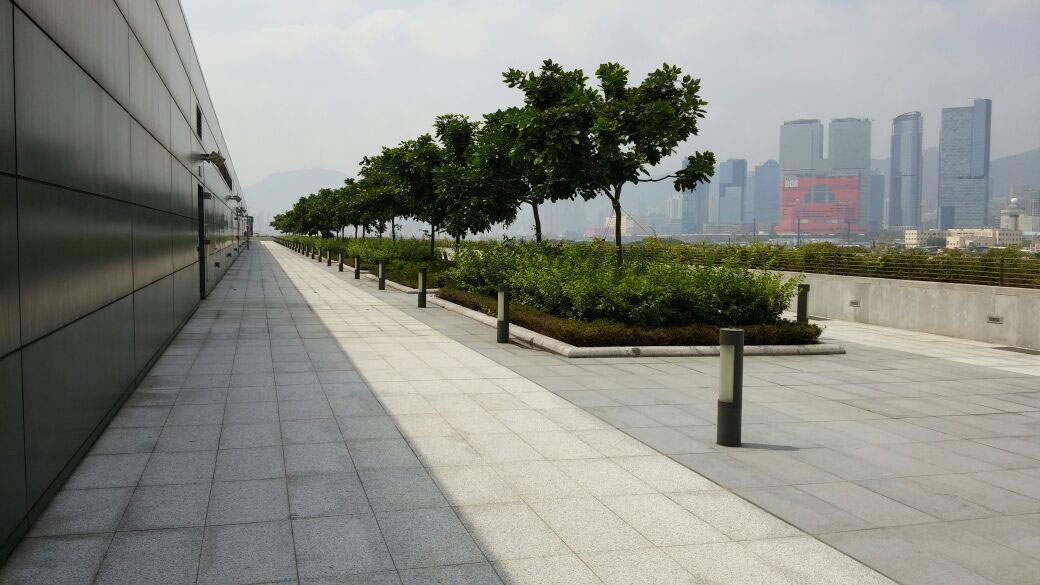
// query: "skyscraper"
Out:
[904,189]
[767,193]
[876,214]
[848,145]
[732,180]
[801,146]
[964,165]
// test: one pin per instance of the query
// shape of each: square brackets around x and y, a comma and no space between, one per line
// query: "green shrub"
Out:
[582,282]
[602,333]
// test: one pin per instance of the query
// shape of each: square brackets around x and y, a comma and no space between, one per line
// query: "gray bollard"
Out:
[341,261]
[357,267]
[731,383]
[382,278]
[313,250]
[503,313]
[803,303]
[422,288]
[328,259]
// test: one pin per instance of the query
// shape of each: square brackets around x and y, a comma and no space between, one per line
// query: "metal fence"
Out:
[995,270]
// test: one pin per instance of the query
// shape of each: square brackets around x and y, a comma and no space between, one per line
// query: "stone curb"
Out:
[537,340]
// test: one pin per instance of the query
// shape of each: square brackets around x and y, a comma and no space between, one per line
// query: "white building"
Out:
[957,239]
[916,238]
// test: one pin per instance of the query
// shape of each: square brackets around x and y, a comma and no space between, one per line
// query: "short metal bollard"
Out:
[803,303]
[328,259]
[382,277]
[731,382]
[422,288]
[357,267]
[503,313]
[341,261]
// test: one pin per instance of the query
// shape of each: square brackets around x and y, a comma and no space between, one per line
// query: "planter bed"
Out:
[605,339]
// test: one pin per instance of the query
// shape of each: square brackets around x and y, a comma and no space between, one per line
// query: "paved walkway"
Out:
[917,454]
[305,429]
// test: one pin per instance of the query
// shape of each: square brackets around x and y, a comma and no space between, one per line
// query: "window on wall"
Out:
[198,122]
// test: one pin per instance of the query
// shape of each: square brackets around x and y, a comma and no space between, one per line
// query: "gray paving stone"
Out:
[647,566]
[341,545]
[247,553]
[245,464]
[159,557]
[368,427]
[56,560]
[510,531]
[167,506]
[803,510]
[317,458]
[189,438]
[126,440]
[901,559]
[251,412]
[247,435]
[83,512]
[427,537]
[401,489]
[300,432]
[181,467]
[101,471]
[472,574]
[472,485]
[588,526]
[381,454]
[240,502]
[326,495]
[561,570]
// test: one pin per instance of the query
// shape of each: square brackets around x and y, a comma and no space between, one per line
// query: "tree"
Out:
[639,126]
[414,164]
[548,138]
[470,208]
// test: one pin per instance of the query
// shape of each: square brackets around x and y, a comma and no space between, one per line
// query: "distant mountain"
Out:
[276,193]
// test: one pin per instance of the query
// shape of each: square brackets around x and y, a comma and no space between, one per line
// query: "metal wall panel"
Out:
[185,291]
[153,319]
[149,98]
[150,169]
[75,254]
[12,447]
[153,246]
[70,132]
[94,32]
[6,87]
[10,332]
[64,404]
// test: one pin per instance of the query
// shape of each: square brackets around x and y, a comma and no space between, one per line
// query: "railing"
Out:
[986,269]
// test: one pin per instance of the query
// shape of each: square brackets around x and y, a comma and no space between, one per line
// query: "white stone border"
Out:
[537,340]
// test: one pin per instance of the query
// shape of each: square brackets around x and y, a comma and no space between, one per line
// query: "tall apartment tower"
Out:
[732,184]
[904,182]
[801,146]
[848,154]
[767,193]
[964,165]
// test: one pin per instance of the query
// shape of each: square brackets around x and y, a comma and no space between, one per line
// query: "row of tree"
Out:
[569,139]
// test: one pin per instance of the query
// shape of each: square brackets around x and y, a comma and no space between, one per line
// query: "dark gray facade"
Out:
[964,166]
[104,203]
[906,162]
[767,193]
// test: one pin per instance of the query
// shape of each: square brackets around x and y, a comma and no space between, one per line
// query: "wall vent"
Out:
[995,320]
[854,303]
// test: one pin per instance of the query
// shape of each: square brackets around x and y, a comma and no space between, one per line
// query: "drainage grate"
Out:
[1025,350]
[815,318]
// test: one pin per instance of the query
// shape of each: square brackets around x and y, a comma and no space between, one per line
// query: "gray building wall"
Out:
[100,190]
[964,140]
[767,193]
[904,190]
[801,146]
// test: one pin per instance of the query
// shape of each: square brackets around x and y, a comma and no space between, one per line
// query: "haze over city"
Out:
[333,81]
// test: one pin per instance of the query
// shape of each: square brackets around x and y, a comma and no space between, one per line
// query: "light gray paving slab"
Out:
[247,553]
[427,537]
[340,545]
[167,506]
[160,557]
[83,512]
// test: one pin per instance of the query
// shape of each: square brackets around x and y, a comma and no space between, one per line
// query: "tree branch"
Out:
[672,176]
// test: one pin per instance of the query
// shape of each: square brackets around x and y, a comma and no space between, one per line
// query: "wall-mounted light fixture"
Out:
[215,158]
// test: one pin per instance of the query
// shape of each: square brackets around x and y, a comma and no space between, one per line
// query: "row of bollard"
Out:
[731,345]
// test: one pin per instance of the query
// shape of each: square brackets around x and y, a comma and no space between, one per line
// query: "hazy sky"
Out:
[320,83]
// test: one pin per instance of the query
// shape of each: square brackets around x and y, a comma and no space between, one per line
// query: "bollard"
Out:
[803,303]
[328,259]
[341,261]
[382,278]
[422,288]
[357,267]
[731,382]
[503,313]
[313,249]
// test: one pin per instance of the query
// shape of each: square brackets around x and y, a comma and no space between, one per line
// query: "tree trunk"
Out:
[393,230]
[458,240]
[537,223]
[615,200]
[355,231]
[433,230]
